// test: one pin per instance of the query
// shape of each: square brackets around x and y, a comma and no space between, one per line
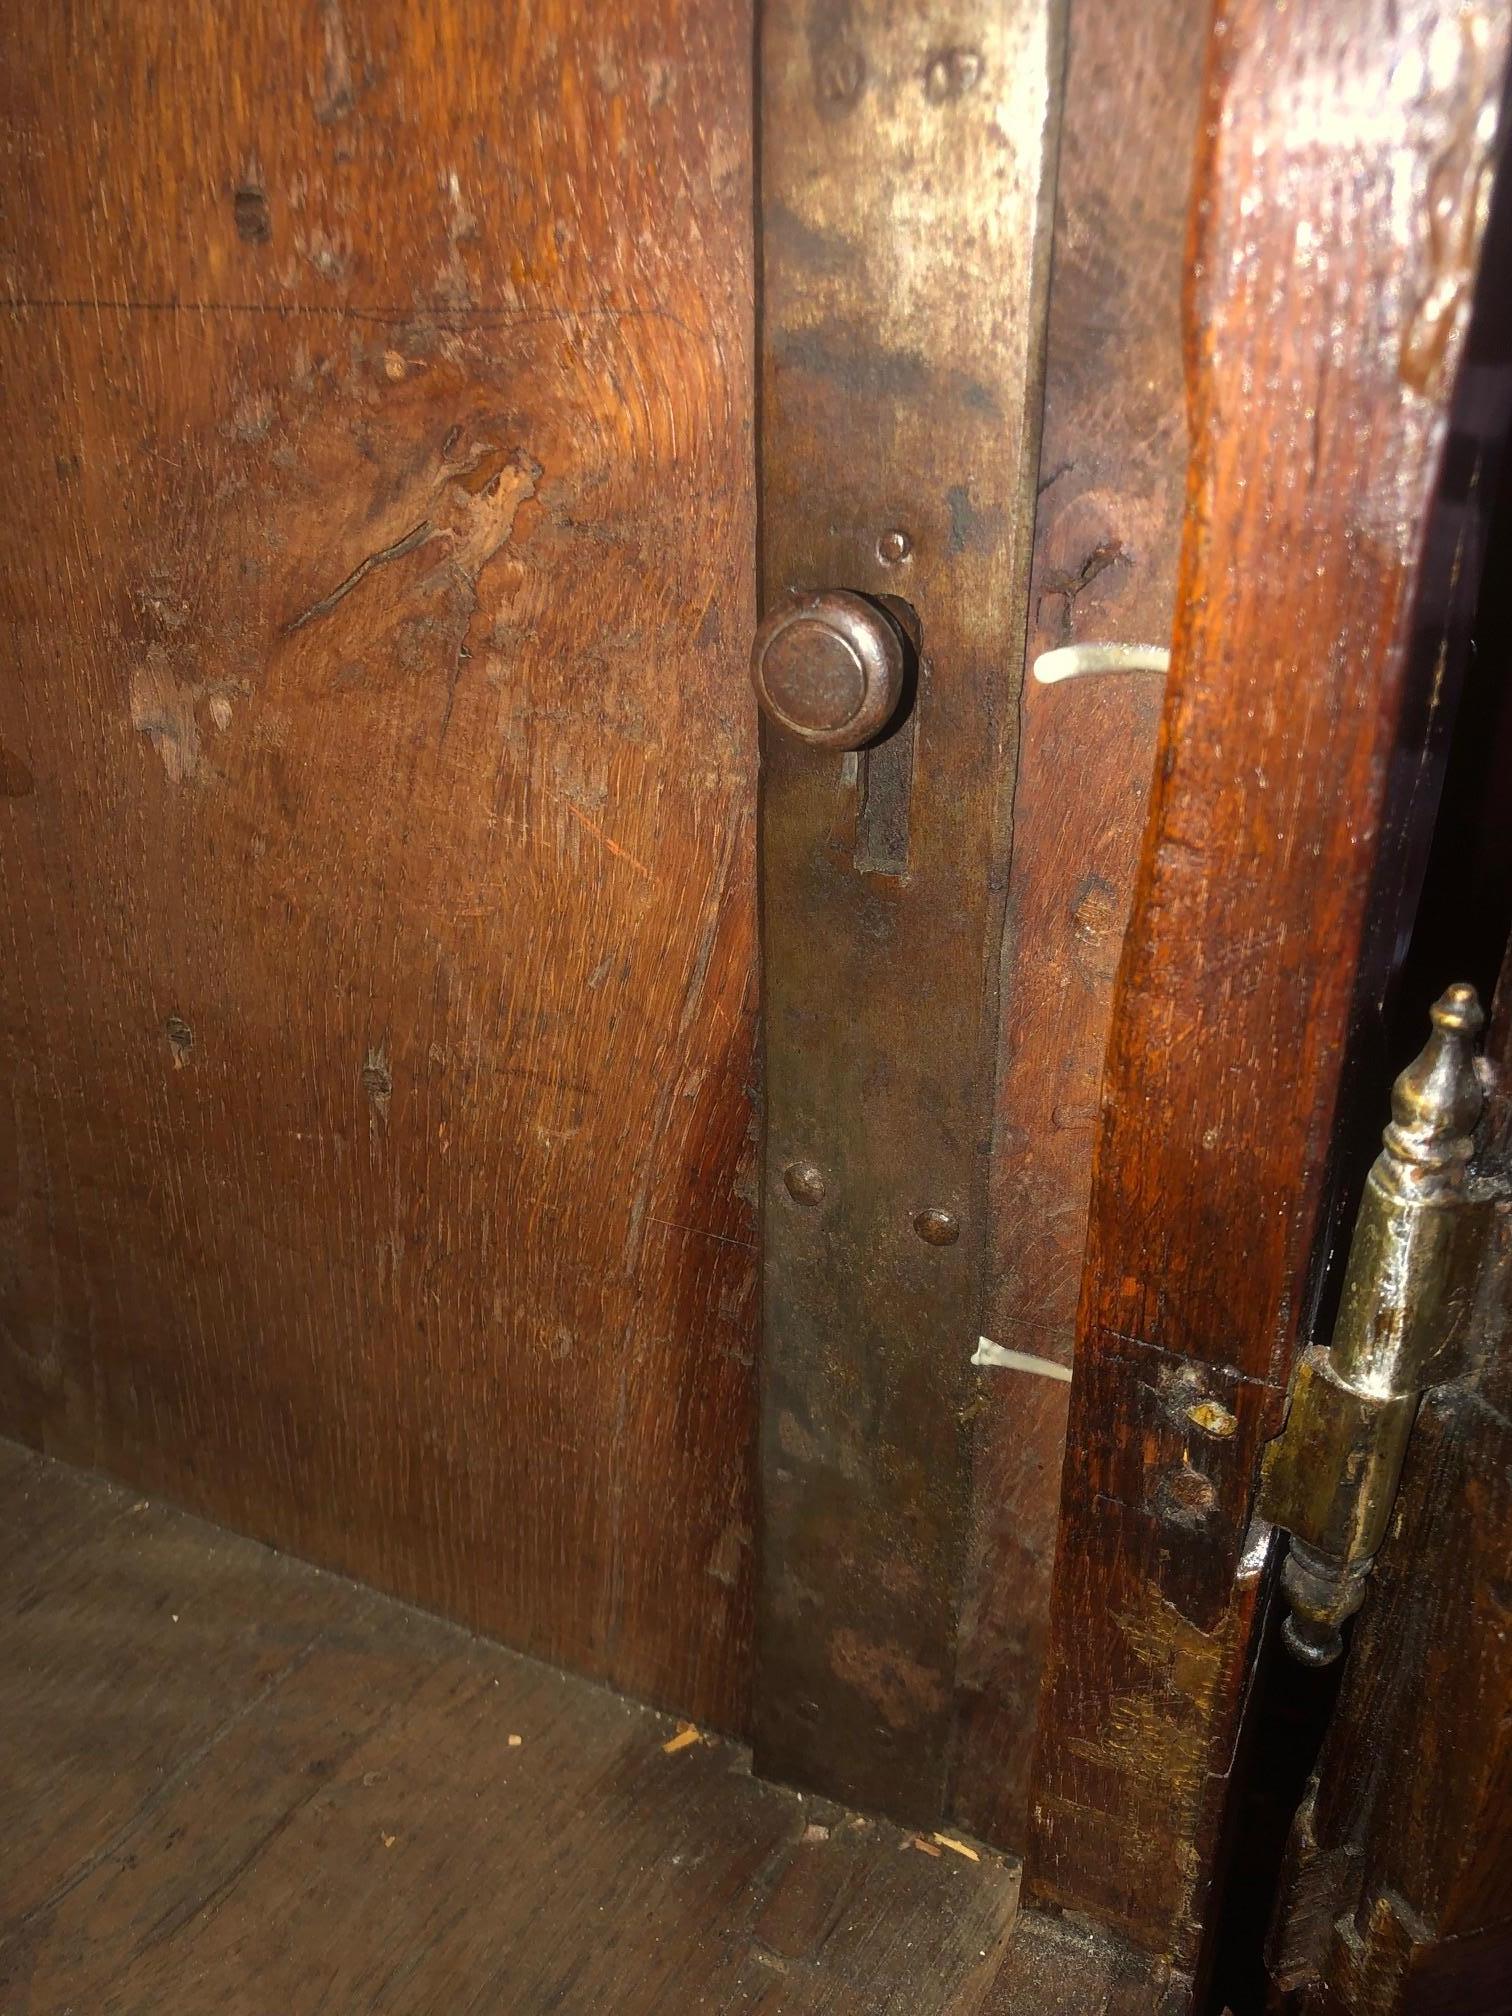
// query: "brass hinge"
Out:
[1407,1318]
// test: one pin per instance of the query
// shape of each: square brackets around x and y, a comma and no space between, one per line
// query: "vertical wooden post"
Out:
[1338,209]
[1107,537]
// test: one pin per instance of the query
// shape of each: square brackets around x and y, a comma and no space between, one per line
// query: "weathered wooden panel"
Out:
[377,914]
[1339,211]
[1107,526]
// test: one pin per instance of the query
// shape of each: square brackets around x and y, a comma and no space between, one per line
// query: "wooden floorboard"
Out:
[1068,1967]
[231,1783]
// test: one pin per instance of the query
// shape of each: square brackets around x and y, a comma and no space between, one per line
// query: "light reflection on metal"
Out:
[1405,1317]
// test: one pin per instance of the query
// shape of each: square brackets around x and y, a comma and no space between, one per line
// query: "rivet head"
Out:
[804,1183]
[951,73]
[938,1228]
[894,547]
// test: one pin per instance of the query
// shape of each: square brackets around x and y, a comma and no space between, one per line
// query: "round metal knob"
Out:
[829,669]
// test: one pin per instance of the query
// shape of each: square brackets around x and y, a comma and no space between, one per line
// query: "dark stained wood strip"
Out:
[1323,338]
[233,1782]
[376,789]
[1107,529]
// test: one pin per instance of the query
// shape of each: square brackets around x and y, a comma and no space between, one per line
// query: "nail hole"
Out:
[254,222]
[1187,1494]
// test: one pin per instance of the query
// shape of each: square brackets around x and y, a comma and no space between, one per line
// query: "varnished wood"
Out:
[1322,345]
[376,911]
[234,1783]
[1107,527]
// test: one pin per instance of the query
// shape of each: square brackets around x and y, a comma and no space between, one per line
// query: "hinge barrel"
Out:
[1409,1293]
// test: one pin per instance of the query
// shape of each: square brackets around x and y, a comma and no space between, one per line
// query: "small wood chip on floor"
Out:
[729,1904]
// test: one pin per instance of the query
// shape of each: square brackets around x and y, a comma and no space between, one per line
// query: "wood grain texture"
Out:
[1067,1968]
[1107,528]
[1338,213]
[376,920]
[234,1783]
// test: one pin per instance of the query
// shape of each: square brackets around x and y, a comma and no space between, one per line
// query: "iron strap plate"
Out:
[906,170]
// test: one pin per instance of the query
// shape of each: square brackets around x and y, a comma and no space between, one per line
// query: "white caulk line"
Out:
[988,1353]
[1074,661]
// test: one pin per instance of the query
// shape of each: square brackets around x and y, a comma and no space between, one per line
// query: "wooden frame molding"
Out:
[1338,208]
[1107,537]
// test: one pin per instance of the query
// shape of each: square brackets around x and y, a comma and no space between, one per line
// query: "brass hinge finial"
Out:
[1437,1100]
[1409,1292]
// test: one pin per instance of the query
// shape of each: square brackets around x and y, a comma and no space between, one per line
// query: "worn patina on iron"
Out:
[905,214]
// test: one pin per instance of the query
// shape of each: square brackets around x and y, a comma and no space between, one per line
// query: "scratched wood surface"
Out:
[1338,218]
[232,1783]
[1107,528]
[376,871]
[1058,1966]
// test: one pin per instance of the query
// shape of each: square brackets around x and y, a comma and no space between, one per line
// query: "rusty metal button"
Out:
[829,669]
